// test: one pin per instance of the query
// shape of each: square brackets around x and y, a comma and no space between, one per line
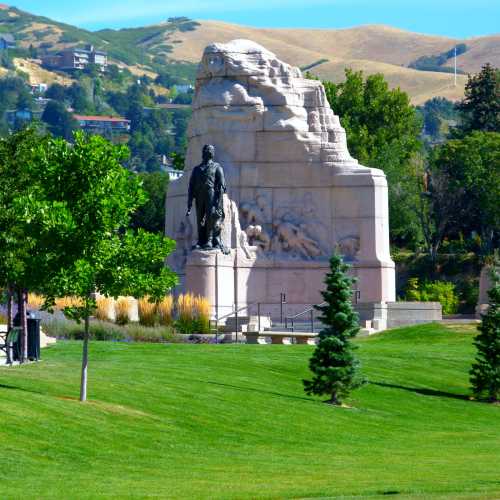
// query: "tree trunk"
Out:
[334,400]
[10,309]
[85,361]
[23,323]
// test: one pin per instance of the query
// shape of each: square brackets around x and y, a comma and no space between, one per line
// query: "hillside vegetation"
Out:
[232,421]
[371,48]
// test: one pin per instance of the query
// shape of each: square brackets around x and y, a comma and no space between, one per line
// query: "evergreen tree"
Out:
[333,363]
[481,105]
[485,372]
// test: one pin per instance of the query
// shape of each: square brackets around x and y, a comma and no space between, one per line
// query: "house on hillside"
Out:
[22,116]
[75,58]
[7,41]
[103,125]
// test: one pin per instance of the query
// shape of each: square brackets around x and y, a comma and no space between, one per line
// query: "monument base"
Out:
[256,285]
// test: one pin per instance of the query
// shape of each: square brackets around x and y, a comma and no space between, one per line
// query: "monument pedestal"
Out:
[211,275]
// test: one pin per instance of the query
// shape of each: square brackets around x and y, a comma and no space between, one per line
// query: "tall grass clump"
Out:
[35,301]
[63,302]
[193,314]
[186,307]
[122,310]
[147,312]
[165,310]
[203,310]
[105,308]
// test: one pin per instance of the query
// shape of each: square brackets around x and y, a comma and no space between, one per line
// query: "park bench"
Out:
[8,342]
[280,337]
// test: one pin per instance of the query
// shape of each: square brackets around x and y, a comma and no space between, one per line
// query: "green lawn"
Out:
[227,421]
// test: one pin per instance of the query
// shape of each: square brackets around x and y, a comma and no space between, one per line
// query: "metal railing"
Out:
[309,310]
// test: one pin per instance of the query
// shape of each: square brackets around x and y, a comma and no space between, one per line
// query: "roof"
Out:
[84,118]
[7,37]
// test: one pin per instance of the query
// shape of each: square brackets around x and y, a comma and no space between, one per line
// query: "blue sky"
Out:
[455,18]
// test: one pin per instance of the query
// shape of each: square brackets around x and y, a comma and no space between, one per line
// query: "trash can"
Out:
[33,336]
[33,321]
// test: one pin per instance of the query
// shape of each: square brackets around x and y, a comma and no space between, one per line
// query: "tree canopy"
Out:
[383,132]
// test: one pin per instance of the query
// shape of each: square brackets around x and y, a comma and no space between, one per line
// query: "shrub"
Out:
[165,310]
[435,291]
[147,312]
[62,328]
[122,310]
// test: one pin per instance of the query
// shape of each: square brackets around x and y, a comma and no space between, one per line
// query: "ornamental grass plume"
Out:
[186,307]
[147,311]
[203,310]
[165,310]
[122,310]
[105,308]
[62,303]
[35,301]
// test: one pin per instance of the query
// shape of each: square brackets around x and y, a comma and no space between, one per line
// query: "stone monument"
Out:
[294,193]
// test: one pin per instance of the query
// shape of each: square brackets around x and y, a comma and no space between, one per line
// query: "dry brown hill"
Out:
[371,48]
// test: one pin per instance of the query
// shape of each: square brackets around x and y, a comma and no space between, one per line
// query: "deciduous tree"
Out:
[383,132]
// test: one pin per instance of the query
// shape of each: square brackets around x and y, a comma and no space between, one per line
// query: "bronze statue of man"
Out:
[207,187]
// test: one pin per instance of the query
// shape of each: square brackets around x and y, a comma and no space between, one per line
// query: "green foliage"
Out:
[62,328]
[383,132]
[435,63]
[485,372]
[60,122]
[333,363]
[436,112]
[435,291]
[151,215]
[313,65]
[465,187]
[481,106]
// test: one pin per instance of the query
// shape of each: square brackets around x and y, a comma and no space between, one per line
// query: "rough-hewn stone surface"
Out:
[298,192]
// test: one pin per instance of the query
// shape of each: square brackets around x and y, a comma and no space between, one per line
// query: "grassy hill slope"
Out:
[373,48]
[227,421]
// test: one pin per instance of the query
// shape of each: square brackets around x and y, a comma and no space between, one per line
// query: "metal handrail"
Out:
[308,310]
[237,310]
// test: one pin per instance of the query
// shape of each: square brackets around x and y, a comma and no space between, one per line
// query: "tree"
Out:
[465,188]
[25,263]
[481,106]
[151,215]
[95,198]
[383,132]
[485,372]
[60,122]
[56,92]
[333,362]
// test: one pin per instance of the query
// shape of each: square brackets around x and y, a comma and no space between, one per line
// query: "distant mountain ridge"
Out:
[326,52]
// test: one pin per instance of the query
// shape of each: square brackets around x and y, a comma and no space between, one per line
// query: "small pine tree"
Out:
[333,363]
[485,372]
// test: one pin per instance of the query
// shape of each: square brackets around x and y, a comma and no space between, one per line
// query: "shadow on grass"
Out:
[422,391]
[260,391]
[15,388]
